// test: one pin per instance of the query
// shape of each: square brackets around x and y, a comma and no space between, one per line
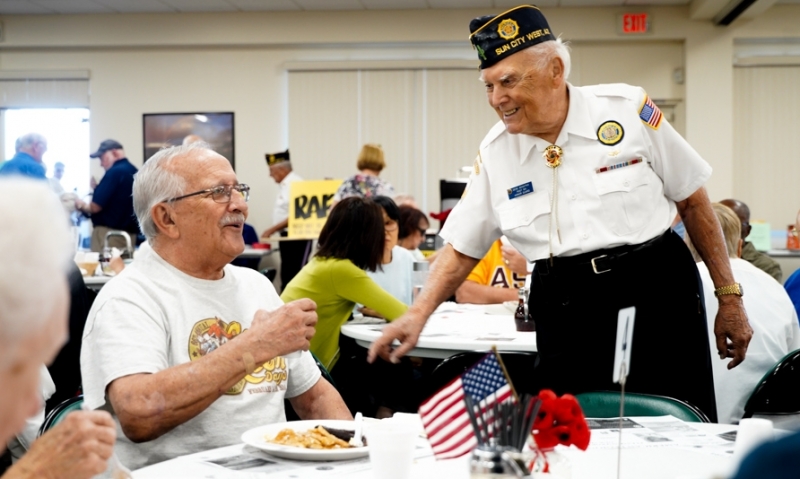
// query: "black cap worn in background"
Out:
[106,146]
[496,37]
[275,158]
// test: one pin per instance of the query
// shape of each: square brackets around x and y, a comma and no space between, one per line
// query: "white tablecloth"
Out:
[456,328]
[649,461]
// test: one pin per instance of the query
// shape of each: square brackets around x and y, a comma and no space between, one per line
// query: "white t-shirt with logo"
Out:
[152,316]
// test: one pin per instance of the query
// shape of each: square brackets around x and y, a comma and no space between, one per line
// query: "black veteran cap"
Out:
[496,37]
[275,158]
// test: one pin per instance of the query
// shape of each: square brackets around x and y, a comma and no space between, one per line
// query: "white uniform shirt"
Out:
[152,317]
[281,211]
[776,333]
[624,205]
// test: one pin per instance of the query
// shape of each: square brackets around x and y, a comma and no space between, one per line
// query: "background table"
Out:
[456,328]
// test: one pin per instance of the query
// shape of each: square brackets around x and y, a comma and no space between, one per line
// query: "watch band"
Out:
[734,288]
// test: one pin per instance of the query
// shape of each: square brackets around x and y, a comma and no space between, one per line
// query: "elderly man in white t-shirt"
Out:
[187,350]
[772,317]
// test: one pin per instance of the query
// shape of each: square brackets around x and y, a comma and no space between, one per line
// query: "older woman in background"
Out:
[413,225]
[366,183]
[397,263]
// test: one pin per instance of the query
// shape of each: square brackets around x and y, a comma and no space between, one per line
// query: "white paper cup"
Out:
[391,448]
[752,433]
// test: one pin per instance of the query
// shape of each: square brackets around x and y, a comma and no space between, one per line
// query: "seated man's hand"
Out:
[514,260]
[76,448]
[288,328]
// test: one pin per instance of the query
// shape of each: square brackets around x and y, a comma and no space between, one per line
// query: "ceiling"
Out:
[25,7]
[699,9]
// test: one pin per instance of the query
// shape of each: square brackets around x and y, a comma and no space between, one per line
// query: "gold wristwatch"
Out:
[735,288]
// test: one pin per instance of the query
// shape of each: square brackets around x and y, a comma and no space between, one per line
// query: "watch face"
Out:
[741,289]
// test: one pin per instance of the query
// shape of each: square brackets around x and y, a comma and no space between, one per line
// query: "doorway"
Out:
[67,133]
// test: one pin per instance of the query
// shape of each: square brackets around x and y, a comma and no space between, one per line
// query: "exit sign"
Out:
[634,23]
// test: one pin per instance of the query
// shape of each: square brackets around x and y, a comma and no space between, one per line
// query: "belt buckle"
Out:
[594,265]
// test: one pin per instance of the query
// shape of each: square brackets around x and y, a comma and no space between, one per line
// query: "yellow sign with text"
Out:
[309,205]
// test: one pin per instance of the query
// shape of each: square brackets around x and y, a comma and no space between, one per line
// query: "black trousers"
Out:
[576,312]
[294,255]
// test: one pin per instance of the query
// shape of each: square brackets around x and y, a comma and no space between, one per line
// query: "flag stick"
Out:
[505,372]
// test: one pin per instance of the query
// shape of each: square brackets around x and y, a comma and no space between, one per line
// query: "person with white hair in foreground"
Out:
[33,327]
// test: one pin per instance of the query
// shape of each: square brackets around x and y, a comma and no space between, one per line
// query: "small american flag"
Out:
[444,414]
[650,113]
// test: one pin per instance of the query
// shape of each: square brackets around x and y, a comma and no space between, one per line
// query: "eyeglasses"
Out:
[220,194]
[390,227]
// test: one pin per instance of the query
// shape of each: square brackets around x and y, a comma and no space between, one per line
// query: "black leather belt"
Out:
[599,261]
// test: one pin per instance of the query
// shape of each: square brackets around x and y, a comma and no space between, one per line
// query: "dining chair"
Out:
[775,396]
[58,413]
[605,404]
[520,365]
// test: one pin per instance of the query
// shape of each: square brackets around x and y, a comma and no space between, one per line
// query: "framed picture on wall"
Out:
[170,129]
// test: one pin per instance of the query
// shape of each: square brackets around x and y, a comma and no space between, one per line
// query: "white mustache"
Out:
[232,218]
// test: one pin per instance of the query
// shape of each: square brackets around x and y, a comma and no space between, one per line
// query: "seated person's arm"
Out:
[356,286]
[150,405]
[322,401]
[275,228]
[472,292]
[76,448]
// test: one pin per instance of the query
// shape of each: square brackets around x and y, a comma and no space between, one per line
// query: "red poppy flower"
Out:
[560,421]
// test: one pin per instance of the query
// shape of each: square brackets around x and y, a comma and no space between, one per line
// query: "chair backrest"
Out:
[775,394]
[792,287]
[520,367]
[60,412]
[603,404]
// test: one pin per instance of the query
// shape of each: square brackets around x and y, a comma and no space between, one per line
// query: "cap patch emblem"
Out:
[508,29]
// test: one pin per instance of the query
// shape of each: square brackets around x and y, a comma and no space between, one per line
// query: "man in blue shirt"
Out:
[28,160]
[111,207]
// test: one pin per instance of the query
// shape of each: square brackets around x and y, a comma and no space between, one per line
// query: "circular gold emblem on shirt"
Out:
[552,155]
[508,29]
[610,133]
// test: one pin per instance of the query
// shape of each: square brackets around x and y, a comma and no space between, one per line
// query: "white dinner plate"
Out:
[257,438]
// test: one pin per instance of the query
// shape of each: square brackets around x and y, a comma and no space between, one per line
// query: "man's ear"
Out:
[164,219]
[557,70]
[739,248]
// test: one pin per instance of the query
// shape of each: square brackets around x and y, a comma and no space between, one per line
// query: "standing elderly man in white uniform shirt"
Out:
[187,350]
[586,181]
[294,253]
[776,332]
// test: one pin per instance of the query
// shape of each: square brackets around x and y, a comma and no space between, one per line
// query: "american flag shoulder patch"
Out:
[650,114]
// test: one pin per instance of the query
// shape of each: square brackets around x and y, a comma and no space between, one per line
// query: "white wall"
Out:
[238,62]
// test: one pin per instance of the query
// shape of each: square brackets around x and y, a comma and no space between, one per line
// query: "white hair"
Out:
[28,140]
[157,182]
[542,54]
[35,249]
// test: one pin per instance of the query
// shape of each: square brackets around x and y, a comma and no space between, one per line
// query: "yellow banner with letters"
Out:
[309,205]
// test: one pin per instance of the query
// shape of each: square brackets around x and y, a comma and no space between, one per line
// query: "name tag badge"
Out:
[520,190]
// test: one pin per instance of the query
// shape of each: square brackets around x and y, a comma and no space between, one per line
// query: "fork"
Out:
[357,442]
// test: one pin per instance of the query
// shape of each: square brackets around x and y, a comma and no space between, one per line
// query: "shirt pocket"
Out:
[626,197]
[525,219]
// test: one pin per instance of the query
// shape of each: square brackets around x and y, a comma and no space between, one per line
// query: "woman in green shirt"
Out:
[351,242]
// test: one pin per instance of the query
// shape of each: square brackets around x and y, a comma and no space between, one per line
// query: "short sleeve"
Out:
[303,374]
[472,226]
[105,189]
[682,170]
[120,339]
